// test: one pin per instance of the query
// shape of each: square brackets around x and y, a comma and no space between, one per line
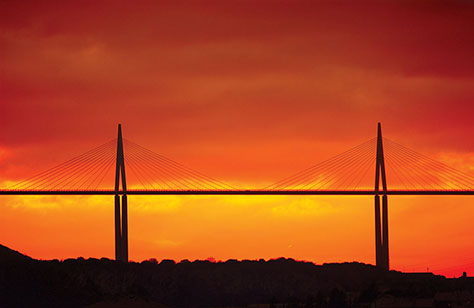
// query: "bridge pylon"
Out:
[121,215]
[381,227]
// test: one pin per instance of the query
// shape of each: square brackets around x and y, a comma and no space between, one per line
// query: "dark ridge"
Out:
[9,255]
[284,283]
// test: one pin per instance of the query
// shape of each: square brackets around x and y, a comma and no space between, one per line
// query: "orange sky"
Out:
[248,92]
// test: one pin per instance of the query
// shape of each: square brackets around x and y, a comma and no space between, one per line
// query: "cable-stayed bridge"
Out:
[101,171]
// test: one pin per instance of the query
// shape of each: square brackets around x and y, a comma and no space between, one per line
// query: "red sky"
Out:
[248,92]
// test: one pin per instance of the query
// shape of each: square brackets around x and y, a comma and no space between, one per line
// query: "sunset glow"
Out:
[248,93]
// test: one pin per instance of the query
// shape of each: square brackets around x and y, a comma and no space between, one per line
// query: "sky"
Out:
[247,92]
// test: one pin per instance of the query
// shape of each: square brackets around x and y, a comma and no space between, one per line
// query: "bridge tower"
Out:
[121,217]
[381,227]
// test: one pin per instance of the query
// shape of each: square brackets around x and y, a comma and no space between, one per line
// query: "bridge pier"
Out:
[381,227]
[386,263]
[118,229]
[121,215]
[121,229]
[378,235]
[124,245]
[381,233]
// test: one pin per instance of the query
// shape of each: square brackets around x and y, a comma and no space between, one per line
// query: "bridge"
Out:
[101,171]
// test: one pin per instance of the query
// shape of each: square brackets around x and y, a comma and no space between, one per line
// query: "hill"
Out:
[8,255]
[94,283]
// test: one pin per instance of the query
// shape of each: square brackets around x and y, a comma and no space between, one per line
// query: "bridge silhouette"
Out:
[92,173]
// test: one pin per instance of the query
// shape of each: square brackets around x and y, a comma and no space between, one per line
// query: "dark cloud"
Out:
[240,73]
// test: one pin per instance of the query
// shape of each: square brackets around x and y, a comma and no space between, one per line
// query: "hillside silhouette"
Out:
[100,283]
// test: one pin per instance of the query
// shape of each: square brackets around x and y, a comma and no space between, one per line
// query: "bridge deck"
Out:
[238,192]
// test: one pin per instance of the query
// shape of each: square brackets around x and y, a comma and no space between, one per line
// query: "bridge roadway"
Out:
[242,192]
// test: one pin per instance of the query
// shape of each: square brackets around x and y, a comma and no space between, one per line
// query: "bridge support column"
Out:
[124,244]
[118,229]
[121,229]
[121,217]
[381,228]
[378,235]
[386,263]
